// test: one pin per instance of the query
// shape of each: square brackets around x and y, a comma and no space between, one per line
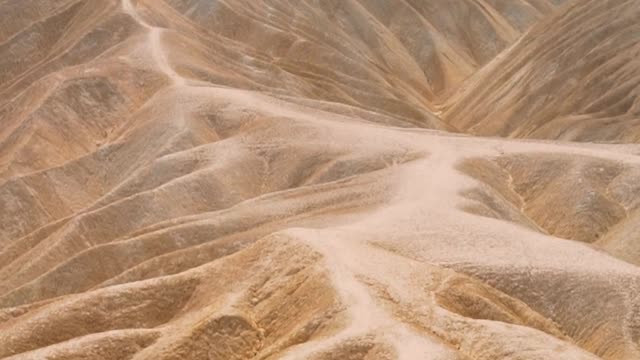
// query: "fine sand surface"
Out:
[352,179]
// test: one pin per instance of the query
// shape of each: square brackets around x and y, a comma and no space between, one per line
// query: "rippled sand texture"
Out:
[320,179]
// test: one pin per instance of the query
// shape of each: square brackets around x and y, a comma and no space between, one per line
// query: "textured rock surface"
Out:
[573,77]
[273,179]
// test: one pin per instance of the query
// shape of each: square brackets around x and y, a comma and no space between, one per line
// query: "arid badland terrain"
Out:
[320,179]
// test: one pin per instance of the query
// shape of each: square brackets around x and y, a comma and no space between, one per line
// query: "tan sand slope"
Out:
[189,179]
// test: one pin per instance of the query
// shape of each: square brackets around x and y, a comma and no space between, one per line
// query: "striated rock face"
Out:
[242,179]
[573,77]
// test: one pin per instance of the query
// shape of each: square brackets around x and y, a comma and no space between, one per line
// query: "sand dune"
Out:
[189,179]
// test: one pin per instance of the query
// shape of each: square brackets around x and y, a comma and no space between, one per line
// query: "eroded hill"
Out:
[239,179]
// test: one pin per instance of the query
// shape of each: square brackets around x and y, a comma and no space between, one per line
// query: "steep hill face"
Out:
[573,77]
[392,57]
[190,179]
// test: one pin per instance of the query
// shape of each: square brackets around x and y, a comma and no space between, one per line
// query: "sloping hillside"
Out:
[574,77]
[236,179]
